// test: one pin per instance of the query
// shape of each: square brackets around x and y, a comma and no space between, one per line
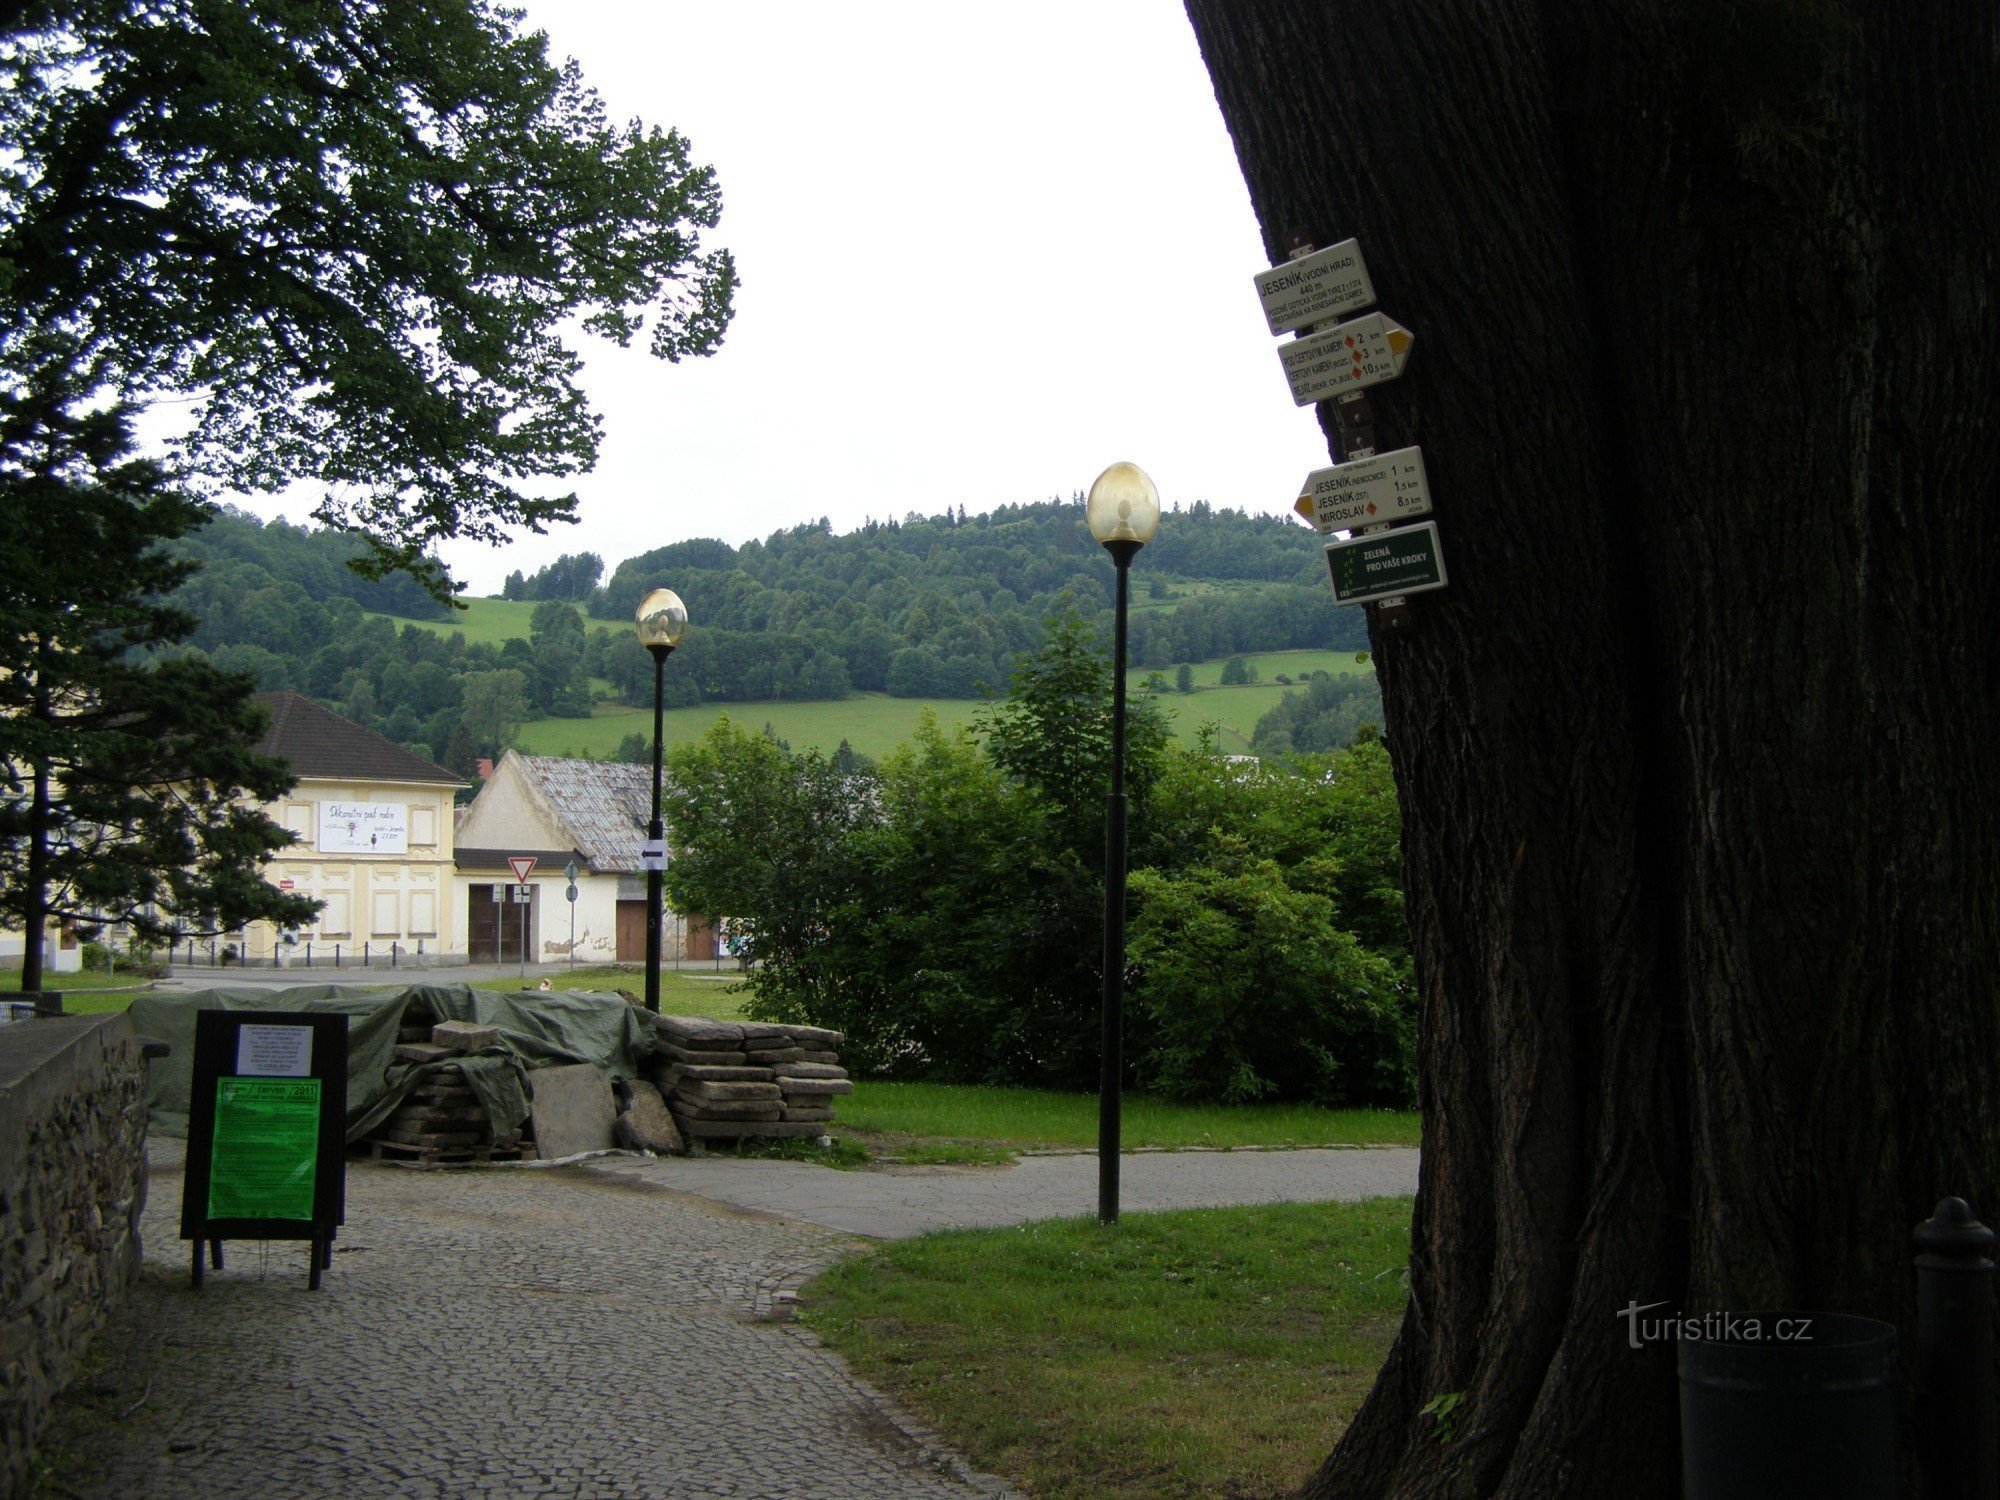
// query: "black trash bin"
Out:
[1772,1409]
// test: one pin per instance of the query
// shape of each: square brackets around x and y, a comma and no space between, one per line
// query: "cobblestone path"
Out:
[554,1332]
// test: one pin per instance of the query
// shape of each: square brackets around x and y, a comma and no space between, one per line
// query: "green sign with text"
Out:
[1405,560]
[266,1148]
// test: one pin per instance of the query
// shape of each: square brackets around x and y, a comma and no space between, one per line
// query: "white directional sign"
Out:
[1367,491]
[652,855]
[1314,287]
[1349,356]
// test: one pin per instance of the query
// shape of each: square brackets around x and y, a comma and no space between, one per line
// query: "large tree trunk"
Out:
[1697,752]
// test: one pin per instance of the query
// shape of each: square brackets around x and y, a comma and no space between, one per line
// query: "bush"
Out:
[1244,988]
[141,961]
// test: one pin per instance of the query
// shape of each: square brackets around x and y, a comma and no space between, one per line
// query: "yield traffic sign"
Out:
[521,864]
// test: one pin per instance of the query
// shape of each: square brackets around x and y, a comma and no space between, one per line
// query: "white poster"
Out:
[274,1051]
[364,828]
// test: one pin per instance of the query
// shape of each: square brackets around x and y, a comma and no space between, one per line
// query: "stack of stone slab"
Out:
[441,1119]
[749,1078]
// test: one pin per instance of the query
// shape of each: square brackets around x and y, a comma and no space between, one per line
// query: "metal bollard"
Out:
[1955,1353]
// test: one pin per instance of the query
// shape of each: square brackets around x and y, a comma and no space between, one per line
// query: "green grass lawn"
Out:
[683,992]
[1042,1118]
[86,979]
[1211,1352]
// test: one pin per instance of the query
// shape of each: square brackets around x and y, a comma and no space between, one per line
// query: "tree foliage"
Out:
[122,775]
[944,907]
[1328,713]
[360,235]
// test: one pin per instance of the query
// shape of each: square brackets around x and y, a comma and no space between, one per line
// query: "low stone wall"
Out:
[72,1182]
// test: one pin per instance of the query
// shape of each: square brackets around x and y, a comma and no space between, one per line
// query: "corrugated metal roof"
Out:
[604,804]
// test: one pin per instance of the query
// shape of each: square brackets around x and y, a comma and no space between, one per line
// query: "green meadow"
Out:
[492,622]
[874,723]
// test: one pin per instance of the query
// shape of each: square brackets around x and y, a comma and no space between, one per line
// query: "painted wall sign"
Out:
[1314,287]
[1349,356]
[1405,560]
[364,828]
[1368,491]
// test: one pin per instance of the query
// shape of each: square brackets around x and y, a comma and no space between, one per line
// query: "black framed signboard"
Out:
[267,1128]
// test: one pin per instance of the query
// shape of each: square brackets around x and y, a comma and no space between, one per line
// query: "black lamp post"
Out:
[662,622]
[1123,512]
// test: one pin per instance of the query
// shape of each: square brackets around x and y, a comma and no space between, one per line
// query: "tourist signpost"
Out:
[1367,492]
[1371,491]
[1378,565]
[1311,287]
[267,1133]
[1349,356]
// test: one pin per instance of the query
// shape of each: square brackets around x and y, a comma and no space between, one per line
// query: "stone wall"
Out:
[72,1182]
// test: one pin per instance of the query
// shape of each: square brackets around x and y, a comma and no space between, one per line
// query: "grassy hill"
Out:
[874,723]
[491,621]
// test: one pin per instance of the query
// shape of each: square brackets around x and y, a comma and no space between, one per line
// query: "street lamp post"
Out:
[1123,511]
[662,622]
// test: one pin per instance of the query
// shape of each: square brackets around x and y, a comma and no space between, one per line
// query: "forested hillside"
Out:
[925,607]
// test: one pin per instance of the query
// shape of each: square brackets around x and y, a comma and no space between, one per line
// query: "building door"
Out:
[495,930]
[631,932]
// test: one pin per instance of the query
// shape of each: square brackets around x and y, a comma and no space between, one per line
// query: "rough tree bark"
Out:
[1697,753]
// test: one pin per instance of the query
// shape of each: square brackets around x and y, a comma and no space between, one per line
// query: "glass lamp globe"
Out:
[1123,506]
[663,620]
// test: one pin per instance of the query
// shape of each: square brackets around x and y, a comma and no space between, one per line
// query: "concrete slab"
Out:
[573,1110]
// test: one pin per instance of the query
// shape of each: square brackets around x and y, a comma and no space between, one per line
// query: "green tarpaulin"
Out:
[538,1029]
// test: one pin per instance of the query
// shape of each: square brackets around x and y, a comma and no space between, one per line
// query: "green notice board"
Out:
[267,1132]
[266,1148]
[1405,560]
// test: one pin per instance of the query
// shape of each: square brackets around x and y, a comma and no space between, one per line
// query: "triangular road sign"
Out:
[521,864]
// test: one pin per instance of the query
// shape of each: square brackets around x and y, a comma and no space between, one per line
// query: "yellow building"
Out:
[374,826]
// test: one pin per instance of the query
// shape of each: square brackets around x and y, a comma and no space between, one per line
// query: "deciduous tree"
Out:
[358,234]
[1695,753]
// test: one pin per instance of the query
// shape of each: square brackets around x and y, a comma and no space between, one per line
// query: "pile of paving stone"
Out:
[749,1078]
[440,1119]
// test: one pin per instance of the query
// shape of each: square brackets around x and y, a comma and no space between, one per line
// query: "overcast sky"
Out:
[985,251]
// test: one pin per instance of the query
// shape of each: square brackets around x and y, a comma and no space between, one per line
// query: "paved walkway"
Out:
[903,1201]
[615,1329]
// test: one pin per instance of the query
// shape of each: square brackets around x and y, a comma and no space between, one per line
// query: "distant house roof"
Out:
[604,805]
[330,747]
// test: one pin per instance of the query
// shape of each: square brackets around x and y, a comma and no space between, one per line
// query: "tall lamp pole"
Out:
[1123,512]
[662,622]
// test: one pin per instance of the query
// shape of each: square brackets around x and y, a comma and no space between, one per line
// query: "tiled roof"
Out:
[604,804]
[327,746]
